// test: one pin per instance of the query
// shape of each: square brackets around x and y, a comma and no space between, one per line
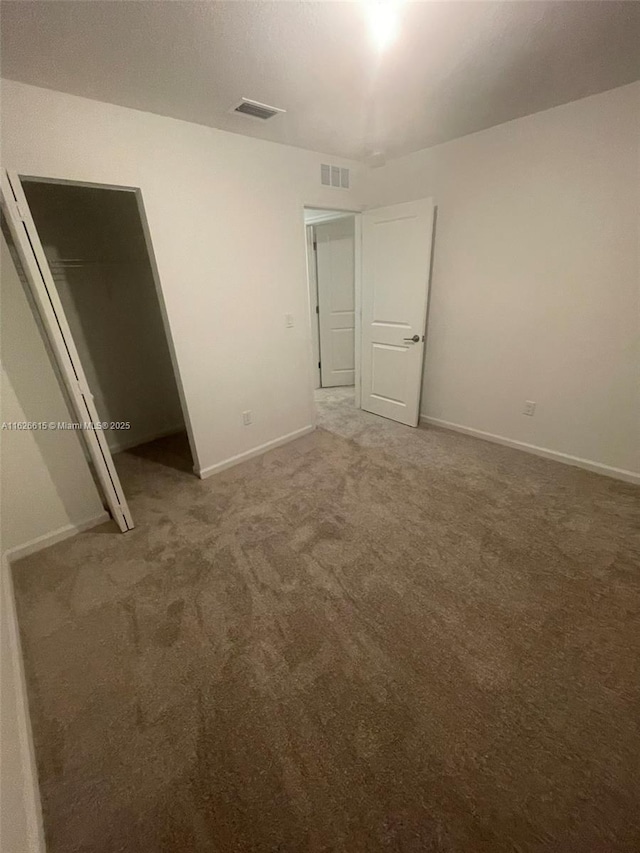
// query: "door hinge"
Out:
[319,365]
[315,246]
[317,309]
[84,390]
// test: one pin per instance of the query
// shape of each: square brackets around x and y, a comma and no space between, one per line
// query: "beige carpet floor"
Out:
[372,639]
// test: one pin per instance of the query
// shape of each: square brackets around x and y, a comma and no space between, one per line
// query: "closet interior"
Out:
[96,247]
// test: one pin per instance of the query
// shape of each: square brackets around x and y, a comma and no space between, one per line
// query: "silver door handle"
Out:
[415,339]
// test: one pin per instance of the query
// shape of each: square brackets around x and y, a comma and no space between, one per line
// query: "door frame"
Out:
[61,345]
[146,230]
[314,301]
[357,272]
[48,318]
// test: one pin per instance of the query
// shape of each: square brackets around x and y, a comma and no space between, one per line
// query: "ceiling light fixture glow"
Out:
[383,21]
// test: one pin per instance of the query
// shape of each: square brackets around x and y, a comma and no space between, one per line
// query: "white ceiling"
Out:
[456,67]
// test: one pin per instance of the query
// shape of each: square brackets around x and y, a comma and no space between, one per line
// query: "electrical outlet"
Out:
[529,408]
[247,418]
[288,319]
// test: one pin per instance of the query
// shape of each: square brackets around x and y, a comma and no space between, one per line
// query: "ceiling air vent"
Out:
[256,110]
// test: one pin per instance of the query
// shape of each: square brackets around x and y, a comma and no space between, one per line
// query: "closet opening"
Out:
[97,247]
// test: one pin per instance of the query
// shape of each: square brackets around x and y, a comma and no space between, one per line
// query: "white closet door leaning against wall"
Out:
[54,321]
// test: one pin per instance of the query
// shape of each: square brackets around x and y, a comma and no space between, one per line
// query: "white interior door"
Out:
[336,300]
[396,261]
[36,269]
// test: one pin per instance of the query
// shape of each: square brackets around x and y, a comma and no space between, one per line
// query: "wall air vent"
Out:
[334,176]
[256,110]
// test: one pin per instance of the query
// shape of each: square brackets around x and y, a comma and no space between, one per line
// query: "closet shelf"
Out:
[84,262]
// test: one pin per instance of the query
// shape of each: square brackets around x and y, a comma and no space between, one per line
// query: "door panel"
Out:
[336,300]
[396,261]
[54,321]
[387,363]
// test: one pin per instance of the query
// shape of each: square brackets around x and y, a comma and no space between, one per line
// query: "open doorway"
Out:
[331,259]
[96,298]
[369,278]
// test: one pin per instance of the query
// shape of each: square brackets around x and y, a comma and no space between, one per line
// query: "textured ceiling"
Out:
[456,67]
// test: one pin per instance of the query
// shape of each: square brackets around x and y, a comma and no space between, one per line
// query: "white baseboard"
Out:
[119,446]
[203,473]
[58,535]
[565,458]
[27,830]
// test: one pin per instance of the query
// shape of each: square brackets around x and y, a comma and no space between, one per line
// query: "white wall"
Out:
[226,217]
[109,298]
[46,489]
[20,816]
[46,484]
[535,290]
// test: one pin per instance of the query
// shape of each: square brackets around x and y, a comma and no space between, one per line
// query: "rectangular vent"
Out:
[256,109]
[334,176]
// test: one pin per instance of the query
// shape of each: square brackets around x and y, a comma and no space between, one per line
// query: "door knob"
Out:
[414,339]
